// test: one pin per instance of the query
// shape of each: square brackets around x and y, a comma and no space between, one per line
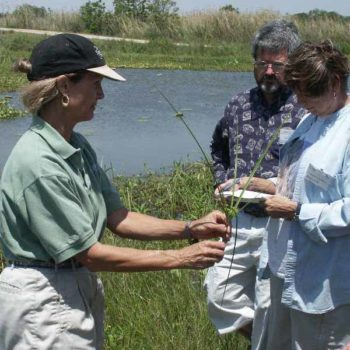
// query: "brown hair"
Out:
[313,68]
[38,93]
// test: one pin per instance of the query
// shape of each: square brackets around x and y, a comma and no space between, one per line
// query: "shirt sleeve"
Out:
[54,215]
[110,193]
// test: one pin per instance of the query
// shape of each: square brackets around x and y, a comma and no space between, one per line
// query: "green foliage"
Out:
[26,13]
[318,14]
[131,8]
[229,8]
[168,195]
[163,14]
[12,47]
[93,15]
[154,10]
[30,10]
[8,112]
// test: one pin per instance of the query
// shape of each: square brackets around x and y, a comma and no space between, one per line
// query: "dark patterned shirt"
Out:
[248,125]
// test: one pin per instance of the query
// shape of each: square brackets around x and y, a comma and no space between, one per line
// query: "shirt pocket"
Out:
[336,190]
[333,192]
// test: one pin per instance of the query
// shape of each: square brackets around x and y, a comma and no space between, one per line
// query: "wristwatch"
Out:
[297,212]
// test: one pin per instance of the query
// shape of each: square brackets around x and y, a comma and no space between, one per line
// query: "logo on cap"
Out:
[98,52]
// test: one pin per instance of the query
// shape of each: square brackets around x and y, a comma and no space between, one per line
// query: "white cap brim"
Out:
[107,72]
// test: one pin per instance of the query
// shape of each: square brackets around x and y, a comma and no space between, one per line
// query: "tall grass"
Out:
[210,27]
[162,310]
[217,40]
[55,21]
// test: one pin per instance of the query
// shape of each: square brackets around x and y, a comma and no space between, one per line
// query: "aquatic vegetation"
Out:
[8,112]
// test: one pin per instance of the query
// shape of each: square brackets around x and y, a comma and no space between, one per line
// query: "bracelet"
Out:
[187,233]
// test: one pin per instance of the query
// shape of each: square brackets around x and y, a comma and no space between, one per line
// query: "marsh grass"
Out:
[217,40]
[206,27]
[162,310]
[13,47]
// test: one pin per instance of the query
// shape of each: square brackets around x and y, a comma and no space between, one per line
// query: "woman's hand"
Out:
[201,255]
[211,225]
[228,185]
[258,185]
[280,207]
[102,257]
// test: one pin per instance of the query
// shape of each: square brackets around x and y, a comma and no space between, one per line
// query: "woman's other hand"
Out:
[280,207]
[201,255]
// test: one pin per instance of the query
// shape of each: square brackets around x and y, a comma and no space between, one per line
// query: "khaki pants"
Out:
[50,309]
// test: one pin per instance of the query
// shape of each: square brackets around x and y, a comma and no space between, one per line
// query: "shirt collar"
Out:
[54,139]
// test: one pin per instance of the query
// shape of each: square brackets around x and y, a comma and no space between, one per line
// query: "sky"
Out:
[188,6]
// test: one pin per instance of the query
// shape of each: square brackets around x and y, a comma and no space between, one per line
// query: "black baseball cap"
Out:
[68,53]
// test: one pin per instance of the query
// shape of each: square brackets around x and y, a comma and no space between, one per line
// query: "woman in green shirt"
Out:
[56,202]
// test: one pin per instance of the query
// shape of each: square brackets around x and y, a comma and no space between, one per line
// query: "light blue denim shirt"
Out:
[317,260]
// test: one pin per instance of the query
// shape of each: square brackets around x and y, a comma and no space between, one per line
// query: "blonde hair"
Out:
[37,93]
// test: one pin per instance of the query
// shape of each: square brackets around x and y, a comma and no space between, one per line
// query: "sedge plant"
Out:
[232,206]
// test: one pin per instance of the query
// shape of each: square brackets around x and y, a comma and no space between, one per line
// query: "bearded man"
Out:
[251,118]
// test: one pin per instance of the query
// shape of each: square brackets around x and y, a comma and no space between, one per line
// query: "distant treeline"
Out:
[154,19]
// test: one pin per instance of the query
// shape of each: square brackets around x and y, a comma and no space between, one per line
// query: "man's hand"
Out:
[209,226]
[226,186]
[280,207]
[257,184]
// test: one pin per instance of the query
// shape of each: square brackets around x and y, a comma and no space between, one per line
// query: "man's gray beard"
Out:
[270,88]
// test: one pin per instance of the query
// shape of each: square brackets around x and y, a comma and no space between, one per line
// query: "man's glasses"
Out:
[262,66]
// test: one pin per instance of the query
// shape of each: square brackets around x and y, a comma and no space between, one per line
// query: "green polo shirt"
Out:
[55,198]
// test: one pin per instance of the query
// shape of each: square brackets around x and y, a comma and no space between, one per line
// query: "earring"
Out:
[65,101]
[334,94]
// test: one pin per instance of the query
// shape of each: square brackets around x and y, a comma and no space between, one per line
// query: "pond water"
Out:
[135,129]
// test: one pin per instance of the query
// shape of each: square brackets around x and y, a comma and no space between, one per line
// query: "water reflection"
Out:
[134,127]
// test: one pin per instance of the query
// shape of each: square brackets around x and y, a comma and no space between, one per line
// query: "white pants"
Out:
[290,329]
[47,309]
[237,308]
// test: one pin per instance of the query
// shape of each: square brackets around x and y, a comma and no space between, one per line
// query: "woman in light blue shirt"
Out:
[307,249]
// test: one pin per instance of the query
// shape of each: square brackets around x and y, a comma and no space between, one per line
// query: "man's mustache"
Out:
[269,78]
